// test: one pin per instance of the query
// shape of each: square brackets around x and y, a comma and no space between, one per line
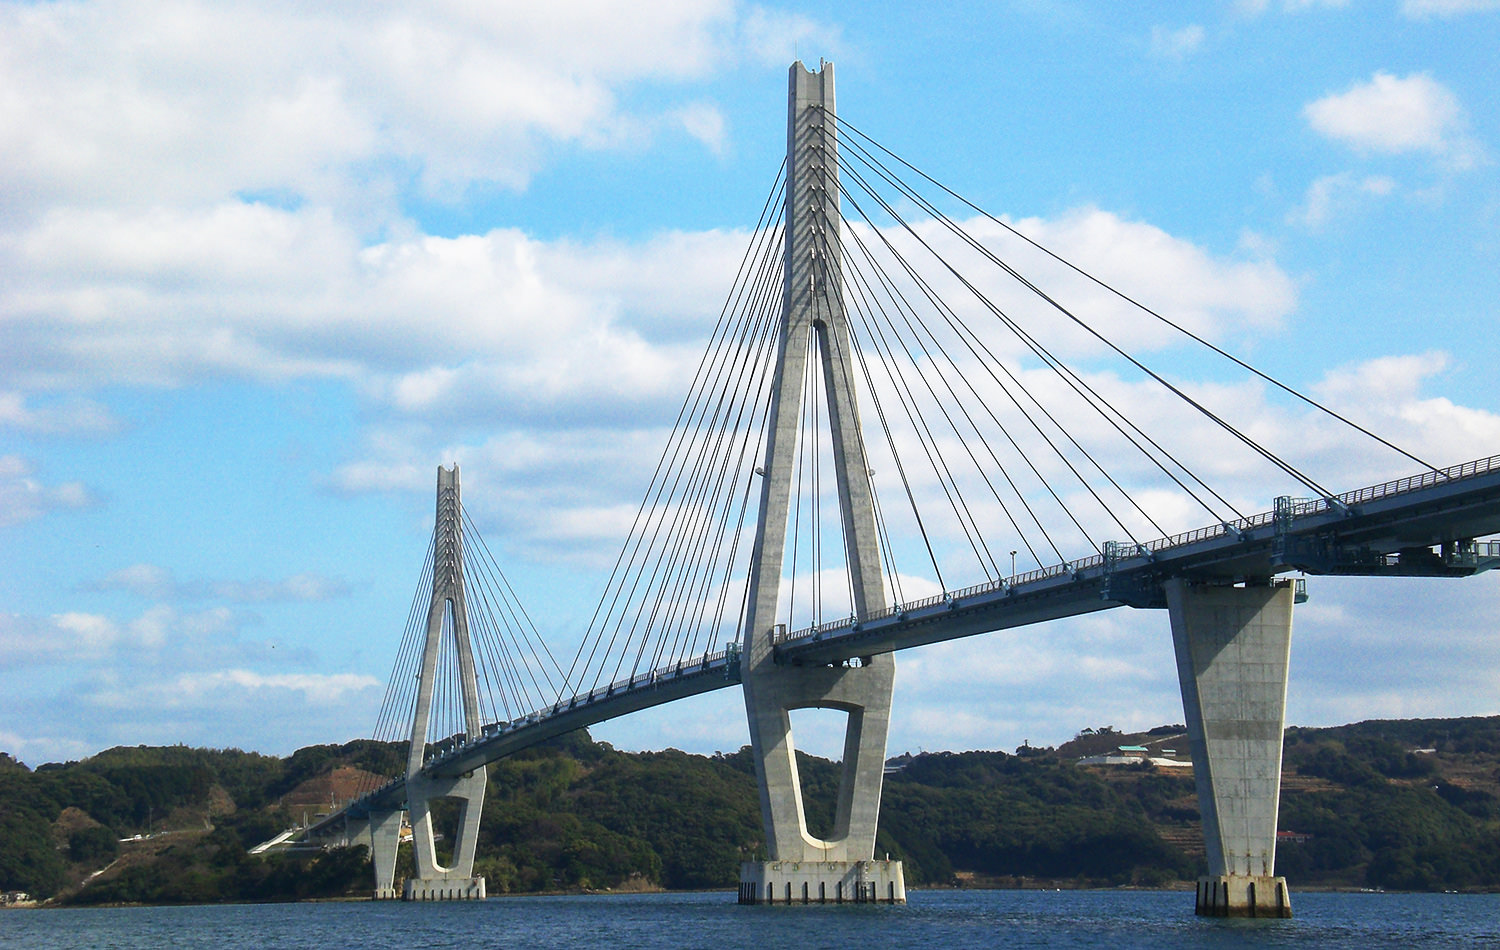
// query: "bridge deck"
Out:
[1357,533]
[459,754]
[1385,529]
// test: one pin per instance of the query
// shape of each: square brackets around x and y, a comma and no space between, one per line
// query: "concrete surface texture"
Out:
[1233,645]
[814,324]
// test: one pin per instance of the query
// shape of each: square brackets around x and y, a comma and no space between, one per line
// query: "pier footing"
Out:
[445,889]
[822,882]
[1235,895]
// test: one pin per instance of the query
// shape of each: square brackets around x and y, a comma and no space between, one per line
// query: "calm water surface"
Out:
[933,920]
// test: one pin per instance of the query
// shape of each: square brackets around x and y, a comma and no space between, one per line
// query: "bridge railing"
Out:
[1424,480]
[713,661]
[1292,509]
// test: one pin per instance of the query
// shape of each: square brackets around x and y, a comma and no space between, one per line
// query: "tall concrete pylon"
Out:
[433,881]
[802,868]
[1233,645]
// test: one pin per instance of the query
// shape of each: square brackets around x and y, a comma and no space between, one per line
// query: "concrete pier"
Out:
[445,889]
[814,327]
[433,881]
[1233,645]
[822,882]
[1240,895]
[384,830]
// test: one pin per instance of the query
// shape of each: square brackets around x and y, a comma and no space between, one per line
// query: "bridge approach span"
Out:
[1389,529]
[459,754]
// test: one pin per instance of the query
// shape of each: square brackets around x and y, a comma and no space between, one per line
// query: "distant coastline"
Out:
[1408,805]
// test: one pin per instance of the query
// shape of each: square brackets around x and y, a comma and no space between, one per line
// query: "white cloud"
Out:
[1168,43]
[105,99]
[35,749]
[24,498]
[318,689]
[776,37]
[1396,115]
[1208,293]
[579,395]
[72,416]
[704,122]
[207,190]
[164,297]
[1426,9]
[1333,194]
[1257,7]
[221,707]
[85,639]
[158,583]
[569,398]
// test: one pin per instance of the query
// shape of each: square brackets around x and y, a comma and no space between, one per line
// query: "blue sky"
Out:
[264,268]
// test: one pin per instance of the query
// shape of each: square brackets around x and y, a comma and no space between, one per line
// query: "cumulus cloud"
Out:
[1206,292]
[44,746]
[163,297]
[220,707]
[167,675]
[106,98]
[82,638]
[24,498]
[596,393]
[203,191]
[776,37]
[1386,624]
[996,690]
[1397,115]
[704,122]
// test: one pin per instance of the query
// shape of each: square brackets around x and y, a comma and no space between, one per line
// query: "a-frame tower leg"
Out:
[433,880]
[803,868]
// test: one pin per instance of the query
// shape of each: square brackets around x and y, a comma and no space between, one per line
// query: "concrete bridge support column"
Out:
[1233,646]
[814,325]
[433,881]
[805,869]
[385,839]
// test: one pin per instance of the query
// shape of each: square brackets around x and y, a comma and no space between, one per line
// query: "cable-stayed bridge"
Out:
[789,547]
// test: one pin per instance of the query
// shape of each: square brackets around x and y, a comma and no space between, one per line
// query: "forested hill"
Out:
[1411,804]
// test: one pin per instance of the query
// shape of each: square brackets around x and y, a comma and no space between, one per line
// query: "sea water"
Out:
[932,920]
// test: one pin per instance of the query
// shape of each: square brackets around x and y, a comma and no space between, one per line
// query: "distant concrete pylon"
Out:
[433,881]
[841,867]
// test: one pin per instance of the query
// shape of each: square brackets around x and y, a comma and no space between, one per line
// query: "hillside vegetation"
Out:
[1390,804]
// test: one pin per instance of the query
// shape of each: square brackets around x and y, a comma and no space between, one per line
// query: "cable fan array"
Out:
[996,430]
[995,416]
[1025,447]
[514,671]
[677,586]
